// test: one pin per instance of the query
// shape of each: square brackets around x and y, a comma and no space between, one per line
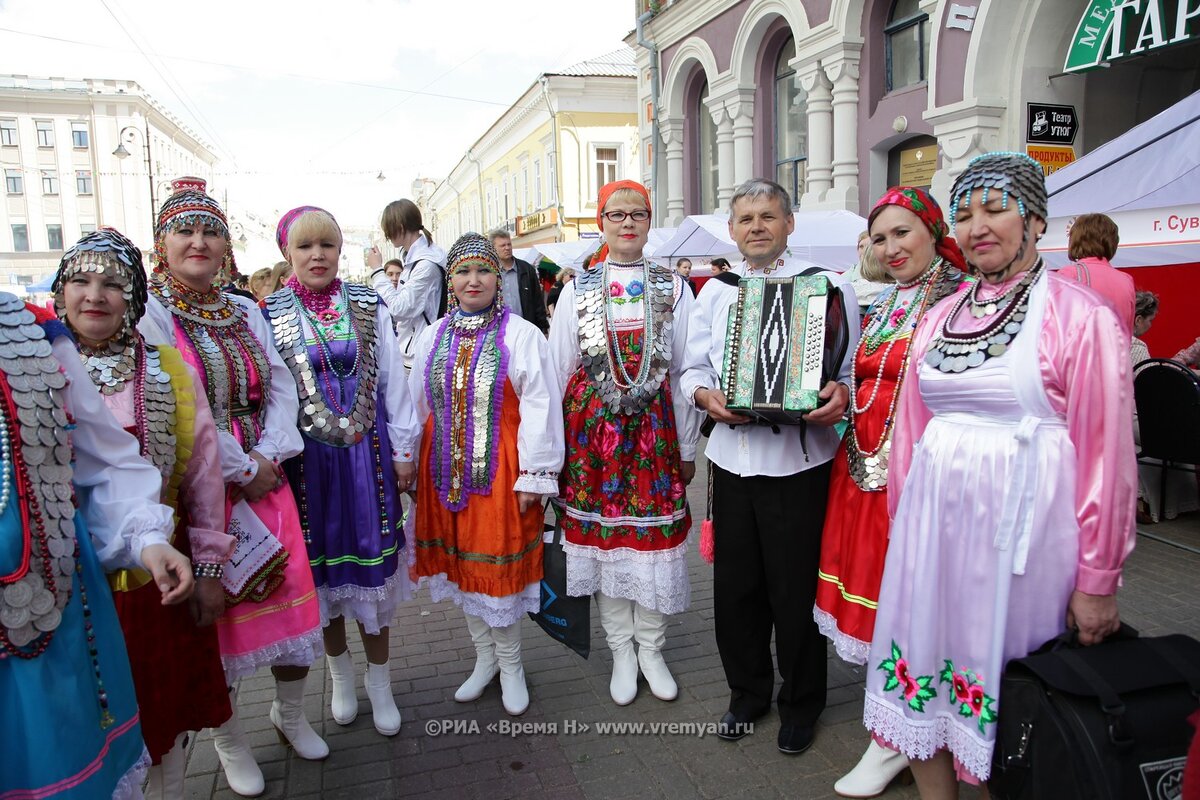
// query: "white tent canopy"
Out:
[827,238]
[564,254]
[1147,180]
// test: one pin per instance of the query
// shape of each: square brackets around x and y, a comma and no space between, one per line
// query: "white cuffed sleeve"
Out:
[540,441]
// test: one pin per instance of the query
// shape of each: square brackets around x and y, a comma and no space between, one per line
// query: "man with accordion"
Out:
[770,362]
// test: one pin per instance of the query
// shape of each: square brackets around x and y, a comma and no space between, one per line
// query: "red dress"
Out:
[854,541]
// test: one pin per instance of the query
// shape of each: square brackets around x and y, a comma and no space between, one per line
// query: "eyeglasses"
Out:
[641,215]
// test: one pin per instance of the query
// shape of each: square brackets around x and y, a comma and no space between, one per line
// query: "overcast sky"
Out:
[302,99]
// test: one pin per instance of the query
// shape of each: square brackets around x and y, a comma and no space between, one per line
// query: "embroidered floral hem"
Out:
[921,738]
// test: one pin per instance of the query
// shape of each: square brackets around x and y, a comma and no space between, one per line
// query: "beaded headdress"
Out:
[190,204]
[111,255]
[473,247]
[1016,175]
[921,203]
[286,221]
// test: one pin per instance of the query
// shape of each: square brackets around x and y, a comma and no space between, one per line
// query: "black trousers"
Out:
[767,540]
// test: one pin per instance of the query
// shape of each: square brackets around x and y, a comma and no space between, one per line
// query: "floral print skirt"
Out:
[626,516]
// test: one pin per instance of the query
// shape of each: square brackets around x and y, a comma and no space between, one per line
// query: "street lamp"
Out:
[129,134]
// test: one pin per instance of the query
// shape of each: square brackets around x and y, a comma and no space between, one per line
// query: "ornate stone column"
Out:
[671,131]
[820,131]
[741,112]
[716,107]
[963,130]
[842,72]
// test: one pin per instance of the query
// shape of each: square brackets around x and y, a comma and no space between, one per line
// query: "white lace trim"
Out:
[920,739]
[657,580]
[855,651]
[547,487]
[299,651]
[373,606]
[497,612]
[130,785]
[625,520]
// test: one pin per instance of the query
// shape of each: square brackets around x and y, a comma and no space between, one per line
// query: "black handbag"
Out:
[1106,722]
[567,619]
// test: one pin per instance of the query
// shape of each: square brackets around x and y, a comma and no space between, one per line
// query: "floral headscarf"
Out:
[921,203]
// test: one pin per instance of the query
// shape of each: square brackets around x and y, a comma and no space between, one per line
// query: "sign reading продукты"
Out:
[1051,124]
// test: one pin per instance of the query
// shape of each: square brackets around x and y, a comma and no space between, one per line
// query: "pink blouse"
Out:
[1084,358]
[1110,283]
[202,492]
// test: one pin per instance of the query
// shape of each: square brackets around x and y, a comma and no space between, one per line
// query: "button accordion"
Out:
[786,339]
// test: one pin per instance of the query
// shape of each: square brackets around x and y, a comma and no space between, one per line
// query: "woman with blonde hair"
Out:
[359,434]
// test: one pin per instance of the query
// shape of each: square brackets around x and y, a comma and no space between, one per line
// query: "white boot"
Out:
[616,615]
[233,749]
[513,692]
[344,703]
[166,779]
[873,772]
[650,630]
[383,704]
[287,715]
[486,667]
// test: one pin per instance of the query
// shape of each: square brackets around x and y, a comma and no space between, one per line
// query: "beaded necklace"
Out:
[324,416]
[464,385]
[952,351]
[869,467]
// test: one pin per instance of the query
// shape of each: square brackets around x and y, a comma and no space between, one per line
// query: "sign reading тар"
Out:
[1110,30]
[1051,157]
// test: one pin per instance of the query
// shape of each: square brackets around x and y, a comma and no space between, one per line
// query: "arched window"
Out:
[706,152]
[791,125]
[907,36]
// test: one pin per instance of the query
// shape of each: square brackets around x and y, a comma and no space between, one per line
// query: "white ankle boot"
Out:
[874,771]
[486,667]
[383,705]
[344,703]
[514,694]
[287,715]
[650,630]
[616,616]
[166,779]
[233,749]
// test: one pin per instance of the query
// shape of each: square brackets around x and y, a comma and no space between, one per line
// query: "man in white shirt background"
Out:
[770,488]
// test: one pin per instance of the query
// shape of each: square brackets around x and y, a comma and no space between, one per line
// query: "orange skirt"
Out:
[489,547]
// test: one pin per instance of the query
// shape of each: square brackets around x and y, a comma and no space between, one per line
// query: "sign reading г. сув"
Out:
[1110,30]
[1051,124]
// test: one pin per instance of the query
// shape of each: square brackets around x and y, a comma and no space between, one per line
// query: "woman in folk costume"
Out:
[1012,483]
[100,293]
[359,439]
[617,341]
[74,495]
[909,237]
[272,617]
[487,398]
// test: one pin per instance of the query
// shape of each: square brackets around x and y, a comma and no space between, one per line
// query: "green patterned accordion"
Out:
[786,338]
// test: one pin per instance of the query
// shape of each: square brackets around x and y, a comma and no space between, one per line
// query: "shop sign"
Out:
[1051,157]
[917,165]
[1111,30]
[1050,124]
[536,221]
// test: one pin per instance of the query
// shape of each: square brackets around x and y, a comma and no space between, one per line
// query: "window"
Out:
[606,166]
[907,38]
[525,189]
[79,135]
[13,183]
[8,132]
[20,238]
[85,228]
[491,205]
[54,236]
[83,182]
[791,125]
[707,155]
[49,181]
[537,183]
[45,132]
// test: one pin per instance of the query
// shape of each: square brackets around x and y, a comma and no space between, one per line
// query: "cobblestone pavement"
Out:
[548,758]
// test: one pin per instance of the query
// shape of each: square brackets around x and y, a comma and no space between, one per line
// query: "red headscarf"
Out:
[921,203]
[606,192]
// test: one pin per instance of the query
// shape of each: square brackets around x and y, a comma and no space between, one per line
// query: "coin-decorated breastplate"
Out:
[322,417]
[36,462]
[599,346]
